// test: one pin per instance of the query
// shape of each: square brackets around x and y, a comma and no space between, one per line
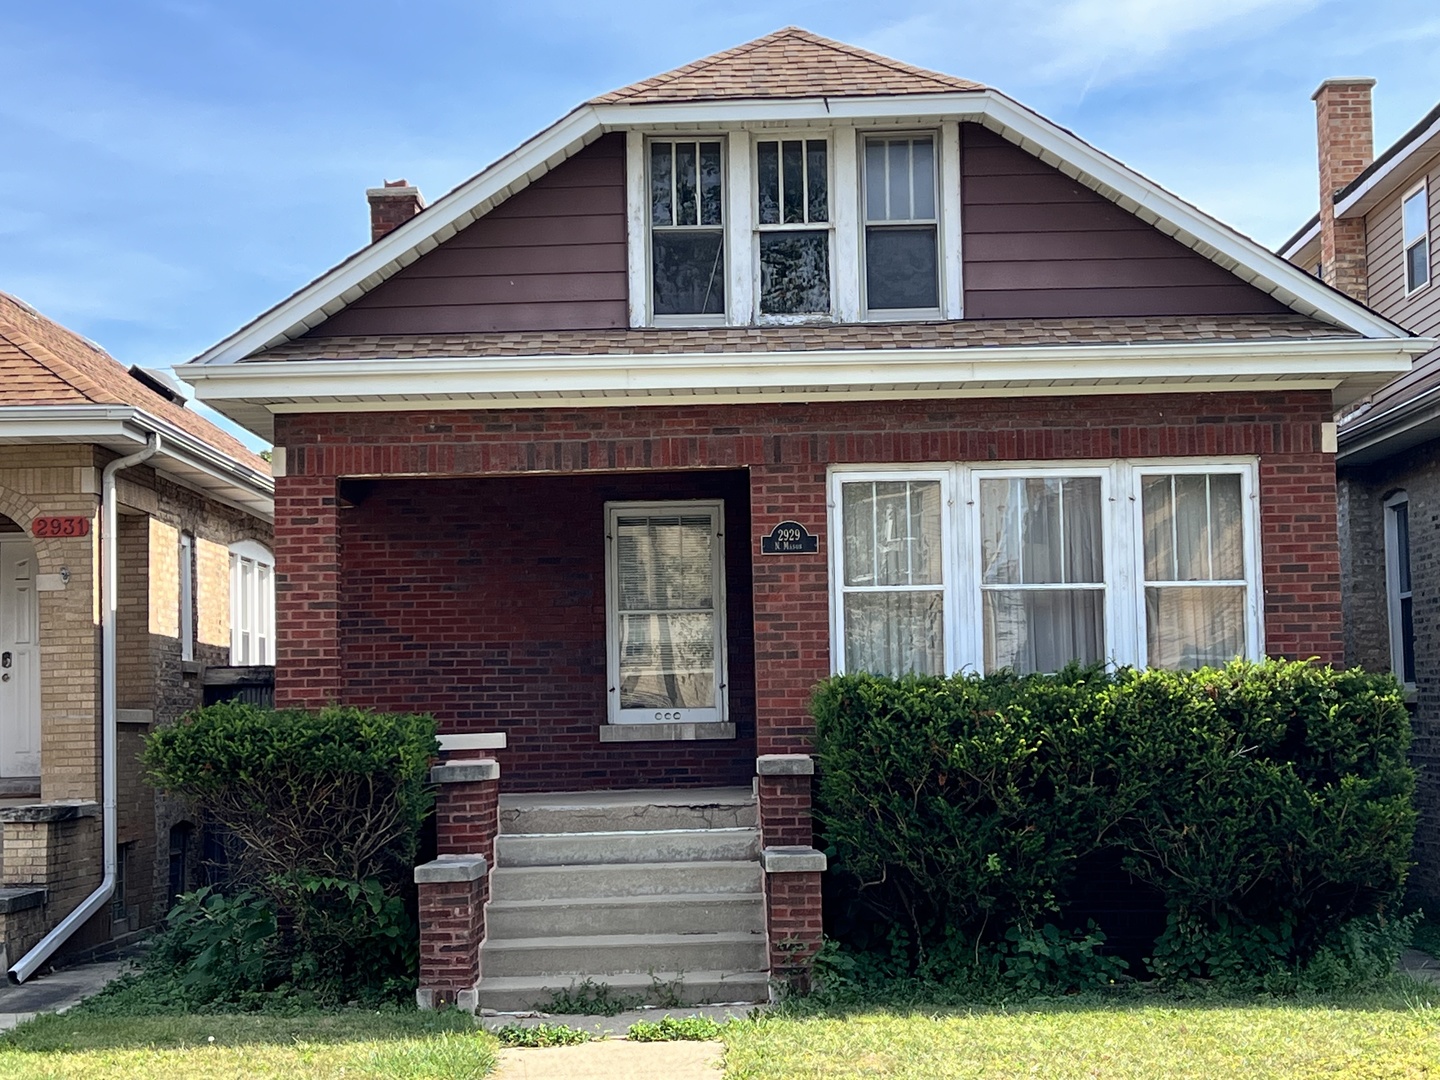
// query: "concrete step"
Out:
[600,956]
[623,879]
[670,913]
[628,811]
[591,848]
[523,994]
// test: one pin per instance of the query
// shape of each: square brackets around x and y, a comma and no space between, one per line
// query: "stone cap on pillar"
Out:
[451,868]
[472,741]
[785,765]
[68,810]
[465,771]
[793,860]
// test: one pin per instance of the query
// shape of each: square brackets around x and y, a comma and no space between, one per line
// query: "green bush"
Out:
[321,812]
[1268,804]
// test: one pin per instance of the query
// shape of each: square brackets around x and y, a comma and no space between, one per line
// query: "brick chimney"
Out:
[1347,147]
[392,205]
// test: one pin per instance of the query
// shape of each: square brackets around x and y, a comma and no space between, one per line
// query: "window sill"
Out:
[622,733]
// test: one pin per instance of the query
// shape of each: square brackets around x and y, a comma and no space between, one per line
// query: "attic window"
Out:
[687,237]
[1416,213]
[793,219]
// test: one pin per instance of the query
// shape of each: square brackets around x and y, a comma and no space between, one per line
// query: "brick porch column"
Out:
[307,592]
[793,917]
[455,887]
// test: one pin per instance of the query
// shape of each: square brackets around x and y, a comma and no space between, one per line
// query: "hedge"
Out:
[1269,806]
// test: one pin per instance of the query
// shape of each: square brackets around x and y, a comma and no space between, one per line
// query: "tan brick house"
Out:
[86,669]
[792,361]
[1376,237]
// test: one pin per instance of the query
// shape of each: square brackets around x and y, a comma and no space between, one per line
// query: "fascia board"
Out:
[1302,243]
[1385,180]
[961,105]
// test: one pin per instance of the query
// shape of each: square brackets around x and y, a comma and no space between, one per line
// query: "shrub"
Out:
[1268,804]
[322,813]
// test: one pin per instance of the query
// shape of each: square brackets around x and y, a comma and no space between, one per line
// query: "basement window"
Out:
[1416,214]
[687,235]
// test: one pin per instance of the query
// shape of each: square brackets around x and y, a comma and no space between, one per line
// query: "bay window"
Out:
[792,179]
[1034,567]
[687,235]
[665,612]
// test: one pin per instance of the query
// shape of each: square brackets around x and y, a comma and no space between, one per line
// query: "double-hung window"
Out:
[1398,589]
[252,605]
[687,234]
[187,596]
[1415,210]
[1031,568]
[666,612]
[902,267]
[792,216]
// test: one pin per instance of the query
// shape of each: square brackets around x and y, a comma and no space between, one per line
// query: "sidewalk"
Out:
[615,1059]
[57,991]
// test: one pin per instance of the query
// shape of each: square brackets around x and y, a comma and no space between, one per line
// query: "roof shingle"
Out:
[790,63]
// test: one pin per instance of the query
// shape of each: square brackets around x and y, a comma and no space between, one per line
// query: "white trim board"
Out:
[351,279]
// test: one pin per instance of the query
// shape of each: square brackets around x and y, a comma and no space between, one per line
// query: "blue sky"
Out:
[172,167]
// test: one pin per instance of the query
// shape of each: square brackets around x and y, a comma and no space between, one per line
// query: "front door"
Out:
[19,661]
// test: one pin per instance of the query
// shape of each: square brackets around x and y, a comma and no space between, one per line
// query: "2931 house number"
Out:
[60,526]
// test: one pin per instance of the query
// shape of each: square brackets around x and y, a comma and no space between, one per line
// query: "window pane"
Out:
[875,181]
[710,184]
[1031,630]
[1040,530]
[767,169]
[667,661]
[1190,626]
[818,179]
[899,167]
[1417,264]
[892,633]
[1084,534]
[794,273]
[665,563]
[900,268]
[1402,544]
[792,155]
[892,532]
[1227,528]
[1155,501]
[1417,214]
[689,272]
[686,211]
[1407,639]
[660,184]
[923,155]
[1192,532]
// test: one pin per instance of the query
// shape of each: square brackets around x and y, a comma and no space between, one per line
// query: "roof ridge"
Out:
[698,64]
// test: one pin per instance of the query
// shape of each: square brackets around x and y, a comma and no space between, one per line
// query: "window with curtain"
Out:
[792,178]
[894,580]
[667,613]
[1398,588]
[1194,561]
[687,235]
[901,224]
[1042,572]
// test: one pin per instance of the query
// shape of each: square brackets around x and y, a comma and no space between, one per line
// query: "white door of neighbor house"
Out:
[19,660]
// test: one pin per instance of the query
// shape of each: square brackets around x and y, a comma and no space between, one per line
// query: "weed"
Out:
[540,1035]
[675,1029]
[588,998]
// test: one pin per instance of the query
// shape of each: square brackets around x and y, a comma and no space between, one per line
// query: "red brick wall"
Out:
[787,449]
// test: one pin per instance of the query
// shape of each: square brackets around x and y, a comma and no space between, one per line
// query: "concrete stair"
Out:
[653,894]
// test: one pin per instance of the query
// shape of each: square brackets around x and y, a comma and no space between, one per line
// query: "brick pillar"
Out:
[455,887]
[1346,139]
[793,918]
[307,592]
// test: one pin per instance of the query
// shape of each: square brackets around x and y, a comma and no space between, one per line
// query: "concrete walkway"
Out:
[616,1059]
[1419,965]
[56,992]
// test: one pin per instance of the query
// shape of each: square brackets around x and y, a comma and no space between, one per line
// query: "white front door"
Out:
[19,660]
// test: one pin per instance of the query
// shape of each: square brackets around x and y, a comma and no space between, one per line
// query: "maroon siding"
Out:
[482,601]
[551,257]
[1038,244]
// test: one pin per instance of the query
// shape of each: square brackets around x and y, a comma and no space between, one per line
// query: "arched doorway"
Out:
[19,654]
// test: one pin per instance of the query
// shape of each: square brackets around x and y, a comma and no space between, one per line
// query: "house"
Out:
[135,542]
[1375,238]
[794,360]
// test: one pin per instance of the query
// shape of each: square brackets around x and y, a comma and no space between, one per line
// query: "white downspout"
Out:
[23,968]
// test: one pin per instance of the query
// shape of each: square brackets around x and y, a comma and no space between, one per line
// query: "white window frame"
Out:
[252,615]
[804,136]
[614,713]
[1123,550]
[727,255]
[187,596]
[1421,189]
[940,147]
[1250,548]
[1393,595]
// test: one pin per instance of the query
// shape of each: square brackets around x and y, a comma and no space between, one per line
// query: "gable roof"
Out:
[790,63]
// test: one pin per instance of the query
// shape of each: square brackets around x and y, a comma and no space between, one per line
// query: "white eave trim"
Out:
[117,426]
[1238,254]
[1390,176]
[1302,242]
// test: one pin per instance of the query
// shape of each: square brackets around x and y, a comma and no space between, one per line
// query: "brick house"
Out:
[794,360]
[1375,237]
[85,669]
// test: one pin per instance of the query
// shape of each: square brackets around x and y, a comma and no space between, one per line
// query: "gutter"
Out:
[26,966]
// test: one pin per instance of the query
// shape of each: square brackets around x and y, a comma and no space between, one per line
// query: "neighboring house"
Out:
[1375,237]
[792,361]
[79,661]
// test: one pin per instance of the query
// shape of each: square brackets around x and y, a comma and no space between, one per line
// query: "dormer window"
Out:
[687,235]
[902,272]
[792,179]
